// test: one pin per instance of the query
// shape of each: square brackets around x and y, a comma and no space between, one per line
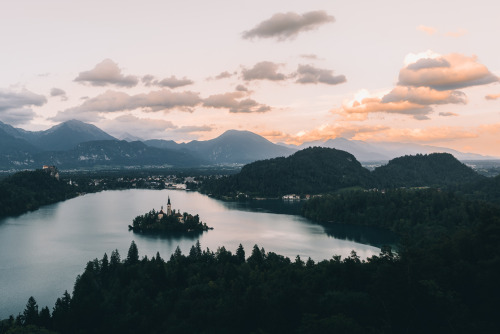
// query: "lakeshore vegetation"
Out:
[152,223]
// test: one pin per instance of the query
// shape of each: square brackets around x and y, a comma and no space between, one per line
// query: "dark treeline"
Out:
[450,286]
[421,215]
[309,171]
[320,170]
[28,190]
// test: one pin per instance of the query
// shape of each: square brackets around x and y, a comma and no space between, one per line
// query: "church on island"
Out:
[169,212]
[168,221]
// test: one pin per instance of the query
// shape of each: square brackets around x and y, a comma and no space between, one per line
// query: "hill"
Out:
[436,169]
[320,170]
[309,171]
[28,190]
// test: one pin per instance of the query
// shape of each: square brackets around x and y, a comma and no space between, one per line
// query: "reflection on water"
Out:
[361,234]
[42,252]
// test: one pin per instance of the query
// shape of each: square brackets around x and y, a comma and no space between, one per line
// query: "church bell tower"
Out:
[169,207]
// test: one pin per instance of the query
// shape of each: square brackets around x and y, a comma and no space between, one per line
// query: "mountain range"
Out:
[384,151]
[75,144]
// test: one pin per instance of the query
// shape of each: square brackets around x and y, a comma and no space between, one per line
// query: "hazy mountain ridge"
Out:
[232,147]
[118,153]
[384,151]
[61,137]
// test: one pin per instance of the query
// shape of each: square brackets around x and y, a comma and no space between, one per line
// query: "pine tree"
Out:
[30,314]
[240,254]
[133,254]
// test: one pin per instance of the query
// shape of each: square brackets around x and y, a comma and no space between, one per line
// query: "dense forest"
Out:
[320,170]
[28,190]
[309,171]
[421,215]
[436,169]
[449,286]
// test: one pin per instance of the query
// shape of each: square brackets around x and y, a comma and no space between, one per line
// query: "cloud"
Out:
[322,133]
[106,73]
[147,128]
[492,96]
[424,96]
[375,133]
[241,88]
[428,30]
[446,72]
[283,26]
[413,101]
[16,99]
[428,63]
[59,92]
[17,116]
[173,82]
[222,75]
[148,80]
[235,102]
[15,105]
[265,70]
[309,56]
[424,135]
[113,101]
[427,79]
[308,74]
[447,114]
[359,110]
[194,129]
[431,31]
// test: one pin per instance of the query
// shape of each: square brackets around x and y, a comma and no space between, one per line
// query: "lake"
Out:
[42,252]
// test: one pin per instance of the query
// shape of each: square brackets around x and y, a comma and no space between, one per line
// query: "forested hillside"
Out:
[28,190]
[436,169]
[321,170]
[312,170]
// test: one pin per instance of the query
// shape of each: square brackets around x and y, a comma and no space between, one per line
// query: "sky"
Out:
[424,72]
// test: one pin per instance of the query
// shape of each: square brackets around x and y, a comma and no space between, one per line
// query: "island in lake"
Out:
[169,221]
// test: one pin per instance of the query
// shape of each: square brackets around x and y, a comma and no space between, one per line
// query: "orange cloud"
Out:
[427,79]
[427,135]
[493,129]
[322,133]
[446,72]
[427,30]
[376,133]
[492,96]
[371,105]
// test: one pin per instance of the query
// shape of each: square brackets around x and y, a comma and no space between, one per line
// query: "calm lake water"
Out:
[42,252]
